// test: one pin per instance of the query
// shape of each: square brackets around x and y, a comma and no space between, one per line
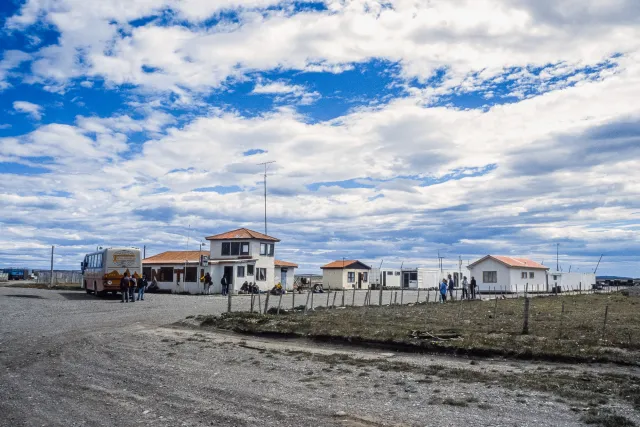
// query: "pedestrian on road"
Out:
[124,287]
[451,286]
[142,286]
[132,289]
[207,283]
[465,288]
[443,291]
[225,285]
[474,285]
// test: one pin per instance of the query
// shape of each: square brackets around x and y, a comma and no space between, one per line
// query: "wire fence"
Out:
[59,277]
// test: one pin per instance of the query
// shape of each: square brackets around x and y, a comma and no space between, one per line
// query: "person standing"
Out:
[474,286]
[451,286]
[465,288]
[132,289]
[207,283]
[225,285]
[124,287]
[443,290]
[142,286]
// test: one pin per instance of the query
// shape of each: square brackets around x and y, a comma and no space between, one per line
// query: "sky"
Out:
[400,130]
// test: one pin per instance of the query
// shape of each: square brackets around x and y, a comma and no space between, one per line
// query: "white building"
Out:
[570,281]
[508,274]
[345,274]
[245,255]
[168,268]
[414,278]
[284,273]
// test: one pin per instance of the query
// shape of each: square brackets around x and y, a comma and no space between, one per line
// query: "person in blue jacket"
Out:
[443,290]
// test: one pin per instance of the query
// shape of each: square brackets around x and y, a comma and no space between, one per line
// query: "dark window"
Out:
[263,248]
[250,270]
[397,273]
[244,249]
[235,248]
[165,274]
[271,249]
[555,277]
[241,271]
[351,277]
[389,273]
[226,249]
[531,275]
[365,277]
[261,274]
[413,275]
[490,277]
[523,275]
[191,275]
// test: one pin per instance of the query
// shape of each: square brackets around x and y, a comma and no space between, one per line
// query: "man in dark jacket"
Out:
[142,286]
[451,286]
[124,287]
[207,283]
[225,285]
[473,287]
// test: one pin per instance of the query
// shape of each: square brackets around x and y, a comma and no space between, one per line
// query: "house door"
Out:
[405,280]
[384,278]
[228,273]
[283,278]
[359,280]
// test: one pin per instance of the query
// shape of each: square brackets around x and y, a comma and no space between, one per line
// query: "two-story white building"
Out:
[245,255]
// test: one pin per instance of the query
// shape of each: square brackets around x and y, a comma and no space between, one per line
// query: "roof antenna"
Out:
[265,164]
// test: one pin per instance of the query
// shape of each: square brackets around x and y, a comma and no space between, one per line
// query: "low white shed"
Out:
[494,273]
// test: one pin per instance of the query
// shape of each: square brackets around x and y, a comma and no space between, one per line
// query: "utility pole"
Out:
[440,258]
[188,235]
[51,280]
[265,164]
[598,265]
[144,251]
[557,256]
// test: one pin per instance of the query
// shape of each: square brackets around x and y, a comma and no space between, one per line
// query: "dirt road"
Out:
[69,359]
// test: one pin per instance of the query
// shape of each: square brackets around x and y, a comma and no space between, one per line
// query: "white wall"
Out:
[335,278]
[290,277]
[537,283]
[571,281]
[504,276]
[191,287]
[254,252]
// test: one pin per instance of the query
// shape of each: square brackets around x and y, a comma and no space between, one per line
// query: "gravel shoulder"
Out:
[82,361]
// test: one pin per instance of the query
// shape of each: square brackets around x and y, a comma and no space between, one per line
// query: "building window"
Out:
[397,273]
[365,276]
[490,277]
[235,248]
[555,277]
[165,274]
[531,275]
[241,271]
[523,275]
[351,277]
[250,270]
[266,249]
[261,274]
[226,249]
[413,276]
[191,274]
[147,272]
[244,249]
[389,273]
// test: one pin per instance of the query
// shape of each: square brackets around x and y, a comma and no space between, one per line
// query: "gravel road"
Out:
[70,359]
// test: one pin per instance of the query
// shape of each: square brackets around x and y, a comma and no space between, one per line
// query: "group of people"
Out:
[129,286]
[448,285]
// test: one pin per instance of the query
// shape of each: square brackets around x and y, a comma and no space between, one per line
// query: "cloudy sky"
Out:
[399,129]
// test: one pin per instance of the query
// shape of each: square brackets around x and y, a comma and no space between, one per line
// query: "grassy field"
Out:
[482,328]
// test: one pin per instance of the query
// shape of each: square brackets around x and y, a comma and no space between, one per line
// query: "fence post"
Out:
[228,299]
[380,297]
[312,300]
[279,302]
[604,326]
[353,298]
[259,302]
[266,303]
[418,297]
[328,294]
[252,300]
[306,304]
[525,325]
[335,294]
[395,298]
[401,295]
[428,295]
[580,288]
[343,297]
[495,311]
[51,282]
[526,290]
[293,301]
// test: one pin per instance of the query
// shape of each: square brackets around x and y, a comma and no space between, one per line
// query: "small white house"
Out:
[176,271]
[570,281]
[508,274]
[345,274]
[284,273]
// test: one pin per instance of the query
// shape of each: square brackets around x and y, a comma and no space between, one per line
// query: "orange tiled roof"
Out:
[279,263]
[175,257]
[344,264]
[242,233]
[513,262]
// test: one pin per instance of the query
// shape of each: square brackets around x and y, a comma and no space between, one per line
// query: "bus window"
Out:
[100,260]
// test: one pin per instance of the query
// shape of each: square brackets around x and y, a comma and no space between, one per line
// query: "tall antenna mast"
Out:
[265,164]
[557,256]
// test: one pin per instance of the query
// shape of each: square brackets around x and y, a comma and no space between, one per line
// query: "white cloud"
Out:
[34,110]
[286,92]
[11,60]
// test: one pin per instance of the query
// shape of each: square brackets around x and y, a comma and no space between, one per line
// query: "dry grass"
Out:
[473,327]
